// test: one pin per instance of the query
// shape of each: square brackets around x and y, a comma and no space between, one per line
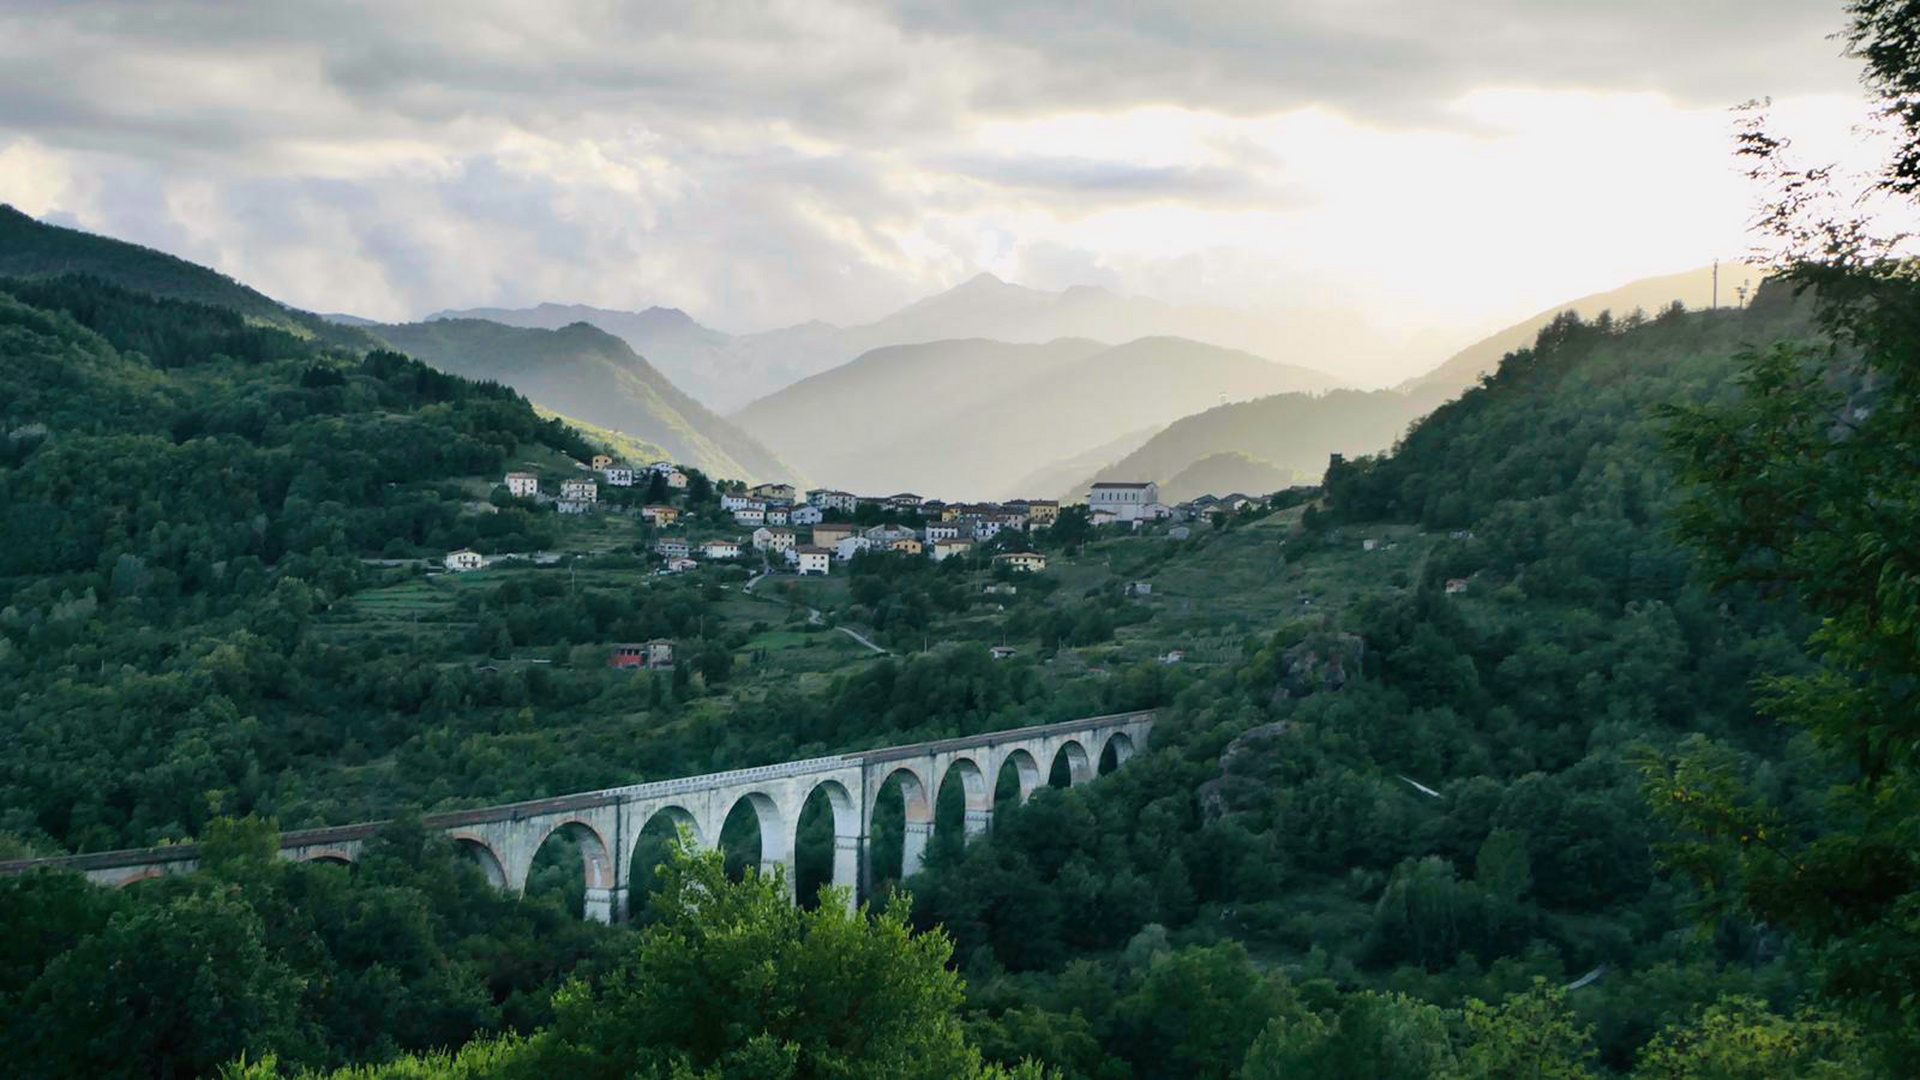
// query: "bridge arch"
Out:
[1079,766]
[916,818]
[655,830]
[485,857]
[979,793]
[776,850]
[595,853]
[846,833]
[675,817]
[1118,748]
[328,855]
[1026,773]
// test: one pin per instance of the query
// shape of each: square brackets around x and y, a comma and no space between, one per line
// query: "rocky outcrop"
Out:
[1324,661]
[1252,746]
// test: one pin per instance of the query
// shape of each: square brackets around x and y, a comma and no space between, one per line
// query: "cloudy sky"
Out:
[1443,167]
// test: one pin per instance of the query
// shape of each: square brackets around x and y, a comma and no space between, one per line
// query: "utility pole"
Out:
[1716,284]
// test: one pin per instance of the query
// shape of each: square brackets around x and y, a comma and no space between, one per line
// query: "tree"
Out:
[1528,1035]
[1740,1037]
[1196,1011]
[169,989]
[732,979]
[1382,1036]
[1806,486]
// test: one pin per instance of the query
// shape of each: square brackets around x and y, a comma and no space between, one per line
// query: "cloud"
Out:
[759,162]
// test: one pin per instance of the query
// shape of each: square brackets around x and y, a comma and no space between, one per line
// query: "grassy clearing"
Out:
[419,598]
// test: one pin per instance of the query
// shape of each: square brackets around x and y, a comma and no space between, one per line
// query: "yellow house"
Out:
[906,544]
[601,461]
[1040,511]
[1022,560]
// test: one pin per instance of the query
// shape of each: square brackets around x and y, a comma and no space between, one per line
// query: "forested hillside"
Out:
[1428,796]
[1291,432]
[698,359]
[575,371]
[29,248]
[583,372]
[1729,286]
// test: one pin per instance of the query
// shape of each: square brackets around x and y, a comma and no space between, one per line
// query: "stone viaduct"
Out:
[607,824]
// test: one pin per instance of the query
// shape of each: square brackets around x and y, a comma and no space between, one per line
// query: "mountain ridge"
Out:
[581,371]
[646,405]
[1694,288]
[730,372]
[973,417]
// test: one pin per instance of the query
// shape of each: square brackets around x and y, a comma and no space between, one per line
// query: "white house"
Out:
[807,514]
[618,475]
[1123,500]
[673,547]
[720,549]
[676,479]
[1156,511]
[829,499]
[937,531]
[573,506]
[850,546]
[815,560]
[985,528]
[777,515]
[523,485]
[463,560]
[765,539]
[579,491]
[681,564]
[729,501]
[751,515]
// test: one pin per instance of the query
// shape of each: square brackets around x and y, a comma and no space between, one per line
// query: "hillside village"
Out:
[808,532]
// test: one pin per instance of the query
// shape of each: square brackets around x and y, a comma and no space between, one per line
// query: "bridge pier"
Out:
[846,866]
[978,823]
[913,858]
[599,905]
